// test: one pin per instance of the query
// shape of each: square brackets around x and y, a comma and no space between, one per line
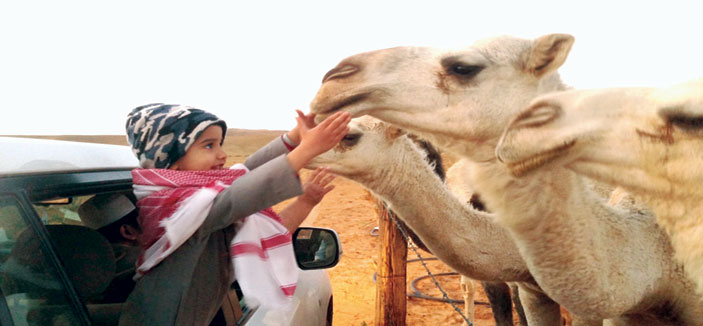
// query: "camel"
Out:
[646,140]
[598,262]
[466,240]
[498,293]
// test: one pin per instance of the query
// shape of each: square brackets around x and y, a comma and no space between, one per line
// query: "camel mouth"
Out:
[345,102]
[523,167]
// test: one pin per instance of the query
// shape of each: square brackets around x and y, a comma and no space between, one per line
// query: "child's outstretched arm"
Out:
[313,191]
[319,139]
[272,178]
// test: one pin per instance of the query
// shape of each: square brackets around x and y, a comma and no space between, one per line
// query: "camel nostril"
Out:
[536,115]
[340,71]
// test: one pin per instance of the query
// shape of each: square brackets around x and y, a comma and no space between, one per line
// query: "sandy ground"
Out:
[349,210]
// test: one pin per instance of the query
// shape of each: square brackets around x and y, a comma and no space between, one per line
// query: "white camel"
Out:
[597,261]
[392,167]
[498,293]
[648,141]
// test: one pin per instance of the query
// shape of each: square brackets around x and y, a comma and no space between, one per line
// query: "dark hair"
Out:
[112,230]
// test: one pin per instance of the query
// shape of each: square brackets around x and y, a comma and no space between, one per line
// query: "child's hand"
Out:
[314,189]
[304,123]
[317,186]
[319,139]
[327,134]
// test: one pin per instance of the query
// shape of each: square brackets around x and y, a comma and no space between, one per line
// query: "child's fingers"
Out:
[318,173]
[333,125]
[327,189]
[309,120]
[327,121]
[337,136]
[339,127]
[343,124]
[335,120]
[300,121]
[327,178]
[300,118]
[330,131]
[302,126]
[341,121]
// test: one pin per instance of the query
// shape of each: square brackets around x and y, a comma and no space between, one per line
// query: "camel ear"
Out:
[547,54]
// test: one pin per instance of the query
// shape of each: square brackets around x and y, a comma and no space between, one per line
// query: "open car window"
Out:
[32,286]
[101,271]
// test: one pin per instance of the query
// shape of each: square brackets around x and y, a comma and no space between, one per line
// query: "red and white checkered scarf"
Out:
[174,204]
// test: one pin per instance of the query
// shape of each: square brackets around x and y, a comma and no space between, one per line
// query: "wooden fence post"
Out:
[391,289]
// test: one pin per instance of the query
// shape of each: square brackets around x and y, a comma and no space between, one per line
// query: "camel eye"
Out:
[350,139]
[459,66]
[465,70]
[686,123]
[684,118]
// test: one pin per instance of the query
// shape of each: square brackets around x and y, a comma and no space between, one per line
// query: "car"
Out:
[52,267]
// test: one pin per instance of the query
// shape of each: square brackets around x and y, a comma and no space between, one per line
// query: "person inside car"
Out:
[115,217]
[202,223]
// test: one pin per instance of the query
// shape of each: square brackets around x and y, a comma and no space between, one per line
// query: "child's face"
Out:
[205,154]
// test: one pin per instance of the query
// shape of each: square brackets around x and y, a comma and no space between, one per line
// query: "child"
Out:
[189,204]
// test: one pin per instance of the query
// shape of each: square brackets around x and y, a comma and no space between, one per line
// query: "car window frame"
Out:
[47,186]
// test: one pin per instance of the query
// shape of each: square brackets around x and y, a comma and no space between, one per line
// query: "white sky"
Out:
[78,67]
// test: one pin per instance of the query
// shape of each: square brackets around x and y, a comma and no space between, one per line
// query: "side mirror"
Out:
[316,248]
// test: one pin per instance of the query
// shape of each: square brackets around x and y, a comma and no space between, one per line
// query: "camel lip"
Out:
[347,101]
[523,167]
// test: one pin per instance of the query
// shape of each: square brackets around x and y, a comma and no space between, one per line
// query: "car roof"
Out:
[30,156]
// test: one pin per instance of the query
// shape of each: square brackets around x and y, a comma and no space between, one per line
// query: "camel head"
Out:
[458,99]
[644,139]
[369,152]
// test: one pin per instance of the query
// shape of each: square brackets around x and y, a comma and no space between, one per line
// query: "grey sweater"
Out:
[188,287]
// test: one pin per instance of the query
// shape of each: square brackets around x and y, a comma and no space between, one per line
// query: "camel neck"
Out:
[562,227]
[465,239]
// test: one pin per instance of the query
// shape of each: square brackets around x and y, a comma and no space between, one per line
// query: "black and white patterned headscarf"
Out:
[160,133]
